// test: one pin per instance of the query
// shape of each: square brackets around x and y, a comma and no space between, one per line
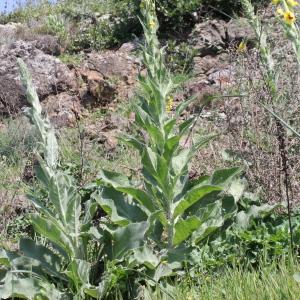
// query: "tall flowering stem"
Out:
[285,11]
[286,14]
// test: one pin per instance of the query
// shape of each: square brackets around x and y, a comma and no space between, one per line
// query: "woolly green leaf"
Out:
[192,197]
[118,208]
[29,288]
[132,141]
[221,177]
[184,229]
[145,256]
[127,238]
[48,260]
[51,231]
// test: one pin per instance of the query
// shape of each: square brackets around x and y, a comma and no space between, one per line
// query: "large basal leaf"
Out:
[47,259]
[207,228]
[141,197]
[79,272]
[162,271]
[29,288]
[128,238]
[243,218]
[55,234]
[237,189]
[221,177]
[113,178]
[192,197]
[183,229]
[6,257]
[73,215]
[121,212]
[122,184]
[177,256]
[145,256]
[90,209]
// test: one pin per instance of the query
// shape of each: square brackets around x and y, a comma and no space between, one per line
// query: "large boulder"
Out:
[214,69]
[50,75]
[214,36]
[10,32]
[107,76]
[102,78]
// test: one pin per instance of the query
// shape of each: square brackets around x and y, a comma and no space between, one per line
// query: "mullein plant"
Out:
[285,13]
[58,264]
[178,212]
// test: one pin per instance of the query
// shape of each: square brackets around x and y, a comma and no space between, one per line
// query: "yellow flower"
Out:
[292,3]
[152,24]
[289,17]
[280,11]
[242,47]
[276,2]
[169,105]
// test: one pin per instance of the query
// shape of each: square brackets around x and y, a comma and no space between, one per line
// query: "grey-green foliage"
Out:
[59,267]
[179,212]
[66,264]
[64,259]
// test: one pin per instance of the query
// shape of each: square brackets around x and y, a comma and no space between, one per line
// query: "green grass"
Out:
[274,282]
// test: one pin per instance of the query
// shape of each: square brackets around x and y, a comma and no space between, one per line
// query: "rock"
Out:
[109,75]
[62,109]
[204,65]
[10,32]
[209,37]
[213,36]
[129,46]
[238,30]
[50,75]
[112,64]
[213,70]
[222,77]
[97,91]
[49,44]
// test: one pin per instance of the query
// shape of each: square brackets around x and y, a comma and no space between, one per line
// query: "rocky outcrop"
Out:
[50,75]
[64,90]
[10,32]
[104,77]
[214,36]
[214,69]
[108,75]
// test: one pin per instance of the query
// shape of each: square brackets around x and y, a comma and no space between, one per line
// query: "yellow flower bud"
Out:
[152,24]
[279,11]
[242,47]
[276,2]
[169,105]
[292,3]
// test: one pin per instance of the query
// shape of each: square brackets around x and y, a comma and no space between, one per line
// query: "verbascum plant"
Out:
[285,13]
[170,212]
[60,267]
